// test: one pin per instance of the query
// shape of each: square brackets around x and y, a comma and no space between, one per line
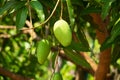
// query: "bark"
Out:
[104,60]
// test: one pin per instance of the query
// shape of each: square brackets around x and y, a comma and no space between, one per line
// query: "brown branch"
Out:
[7,27]
[104,60]
[5,36]
[11,75]
[30,31]
[90,61]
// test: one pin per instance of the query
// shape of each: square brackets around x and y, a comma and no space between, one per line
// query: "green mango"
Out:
[62,32]
[57,76]
[43,50]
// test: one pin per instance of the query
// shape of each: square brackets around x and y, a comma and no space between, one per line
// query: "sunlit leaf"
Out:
[7,6]
[39,9]
[71,12]
[106,7]
[18,5]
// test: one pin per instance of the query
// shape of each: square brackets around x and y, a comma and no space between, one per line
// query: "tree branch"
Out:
[5,36]
[31,32]
[7,27]
[11,75]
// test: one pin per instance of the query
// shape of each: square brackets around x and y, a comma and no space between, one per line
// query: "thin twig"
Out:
[7,27]
[61,12]
[31,32]
[30,14]
[5,36]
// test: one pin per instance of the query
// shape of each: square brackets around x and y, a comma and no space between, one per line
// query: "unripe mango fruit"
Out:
[43,50]
[62,32]
[57,76]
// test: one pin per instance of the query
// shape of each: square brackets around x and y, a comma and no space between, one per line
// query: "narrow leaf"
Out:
[116,28]
[21,17]
[90,10]
[77,2]
[78,46]
[110,40]
[76,58]
[106,7]
[18,5]
[7,6]
[71,12]
[115,54]
[54,59]
[82,38]
[39,9]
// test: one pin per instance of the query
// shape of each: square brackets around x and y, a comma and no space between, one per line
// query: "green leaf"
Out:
[39,9]
[77,2]
[82,38]
[90,10]
[116,28]
[7,6]
[76,58]
[78,46]
[110,40]
[115,54]
[21,17]
[71,12]
[53,59]
[106,7]
[18,5]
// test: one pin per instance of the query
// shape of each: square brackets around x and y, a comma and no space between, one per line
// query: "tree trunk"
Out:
[104,60]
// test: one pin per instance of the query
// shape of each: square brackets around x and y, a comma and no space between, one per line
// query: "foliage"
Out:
[23,23]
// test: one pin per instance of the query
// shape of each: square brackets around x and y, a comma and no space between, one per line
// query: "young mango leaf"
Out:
[21,17]
[78,46]
[106,7]
[37,6]
[76,58]
[7,6]
[110,40]
[71,12]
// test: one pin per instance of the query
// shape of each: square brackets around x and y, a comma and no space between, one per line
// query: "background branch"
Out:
[11,75]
